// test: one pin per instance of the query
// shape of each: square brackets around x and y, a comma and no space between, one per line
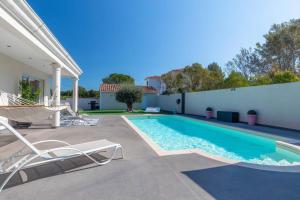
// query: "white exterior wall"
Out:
[83,103]
[168,102]
[108,101]
[154,83]
[11,72]
[159,85]
[276,105]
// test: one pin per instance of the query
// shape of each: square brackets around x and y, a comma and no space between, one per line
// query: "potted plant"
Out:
[252,117]
[209,112]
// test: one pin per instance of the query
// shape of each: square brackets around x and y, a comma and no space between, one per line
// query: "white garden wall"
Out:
[108,101]
[83,103]
[277,105]
[149,100]
[168,102]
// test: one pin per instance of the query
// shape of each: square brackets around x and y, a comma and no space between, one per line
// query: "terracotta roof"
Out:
[110,87]
[153,77]
[116,87]
[148,89]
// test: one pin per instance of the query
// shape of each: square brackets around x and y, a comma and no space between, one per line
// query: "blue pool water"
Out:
[179,133]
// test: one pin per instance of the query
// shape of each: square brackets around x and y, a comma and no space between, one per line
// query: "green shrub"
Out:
[27,92]
[262,80]
[235,79]
[284,77]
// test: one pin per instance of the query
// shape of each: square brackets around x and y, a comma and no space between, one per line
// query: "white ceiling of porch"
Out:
[19,48]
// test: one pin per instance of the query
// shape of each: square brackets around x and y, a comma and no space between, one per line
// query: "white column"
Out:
[75,95]
[47,95]
[56,93]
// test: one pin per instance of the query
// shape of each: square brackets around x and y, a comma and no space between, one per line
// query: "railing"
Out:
[7,99]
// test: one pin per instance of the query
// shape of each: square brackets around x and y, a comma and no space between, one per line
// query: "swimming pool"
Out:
[182,133]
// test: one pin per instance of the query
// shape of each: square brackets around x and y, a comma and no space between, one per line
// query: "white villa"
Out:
[157,83]
[29,51]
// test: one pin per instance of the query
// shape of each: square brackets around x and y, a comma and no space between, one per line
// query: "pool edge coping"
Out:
[161,152]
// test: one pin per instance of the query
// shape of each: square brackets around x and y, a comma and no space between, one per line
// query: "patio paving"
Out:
[144,175]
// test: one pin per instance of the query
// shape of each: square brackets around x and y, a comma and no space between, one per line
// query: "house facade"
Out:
[30,52]
[108,97]
[157,83]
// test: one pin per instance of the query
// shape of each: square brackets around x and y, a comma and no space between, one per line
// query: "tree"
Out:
[196,77]
[82,92]
[279,49]
[118,79]
[175,81]
[248,62]
[129,94]
[216,76]
[235,79]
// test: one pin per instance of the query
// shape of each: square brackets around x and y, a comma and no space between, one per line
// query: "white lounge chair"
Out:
[56,154]
[69,117]
[153,109]
[5,120]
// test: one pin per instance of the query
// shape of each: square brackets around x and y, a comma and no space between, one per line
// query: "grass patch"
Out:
[116,112]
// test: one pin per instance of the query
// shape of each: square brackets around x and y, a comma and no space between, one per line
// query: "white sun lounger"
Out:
[56,154]
[153,109]
[73,119]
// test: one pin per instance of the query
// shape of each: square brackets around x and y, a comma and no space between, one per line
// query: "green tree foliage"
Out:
[215,76]
[66,94]
[248,62]
[129,94]
[235,79]
[281,43]
[196,77]
[261,80]
[275,77]
[193,78]
[28,92]
[82,93]
[118,79]
[277,53]
[284,77]
[171,80]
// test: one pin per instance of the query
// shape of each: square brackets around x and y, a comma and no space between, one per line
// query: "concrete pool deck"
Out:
[145,175]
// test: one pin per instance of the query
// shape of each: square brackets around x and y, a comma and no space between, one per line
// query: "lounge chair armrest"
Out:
[51,141]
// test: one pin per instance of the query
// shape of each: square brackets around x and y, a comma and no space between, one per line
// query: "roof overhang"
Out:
[25,37]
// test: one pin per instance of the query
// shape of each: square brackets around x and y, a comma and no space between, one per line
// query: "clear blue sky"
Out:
[150,37]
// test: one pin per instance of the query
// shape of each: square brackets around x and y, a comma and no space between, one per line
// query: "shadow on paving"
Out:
[51,169]
[233,182]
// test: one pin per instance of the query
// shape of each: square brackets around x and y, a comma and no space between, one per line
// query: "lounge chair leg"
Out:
[15,171]
[122,153]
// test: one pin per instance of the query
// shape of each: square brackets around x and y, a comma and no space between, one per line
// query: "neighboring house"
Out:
[108,97]
[29,51]
[157,83]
